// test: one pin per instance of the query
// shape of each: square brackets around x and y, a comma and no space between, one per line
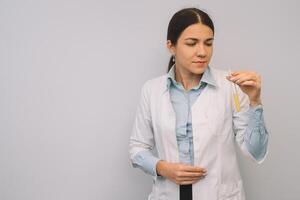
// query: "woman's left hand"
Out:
[249,82]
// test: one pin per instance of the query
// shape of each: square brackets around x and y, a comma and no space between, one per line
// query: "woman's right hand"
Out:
[181,174]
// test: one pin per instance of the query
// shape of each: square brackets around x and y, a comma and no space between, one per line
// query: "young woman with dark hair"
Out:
[194,115]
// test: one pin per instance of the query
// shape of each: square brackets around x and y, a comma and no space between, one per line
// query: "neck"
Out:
[186,78]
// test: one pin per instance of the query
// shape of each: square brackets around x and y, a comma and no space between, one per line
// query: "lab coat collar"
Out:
[207,78]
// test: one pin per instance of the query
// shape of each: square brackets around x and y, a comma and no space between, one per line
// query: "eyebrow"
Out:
[195,39]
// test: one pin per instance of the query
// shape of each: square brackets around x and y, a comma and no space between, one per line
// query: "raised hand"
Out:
[249,82]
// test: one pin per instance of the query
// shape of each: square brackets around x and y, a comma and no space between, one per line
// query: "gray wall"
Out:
[70,77]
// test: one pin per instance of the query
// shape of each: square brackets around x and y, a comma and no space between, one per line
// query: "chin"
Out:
[199,70]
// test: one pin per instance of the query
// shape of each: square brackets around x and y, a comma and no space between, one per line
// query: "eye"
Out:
[190,44]
[209,44]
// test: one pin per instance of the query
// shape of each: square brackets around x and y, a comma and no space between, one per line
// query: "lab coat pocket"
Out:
[231,191]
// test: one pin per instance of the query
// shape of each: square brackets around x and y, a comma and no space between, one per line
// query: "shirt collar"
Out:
[206,78]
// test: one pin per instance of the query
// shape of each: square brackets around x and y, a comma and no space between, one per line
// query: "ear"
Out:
[171,47]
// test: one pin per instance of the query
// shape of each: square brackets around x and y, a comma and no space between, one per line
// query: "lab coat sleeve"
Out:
[141,141]
[251,134]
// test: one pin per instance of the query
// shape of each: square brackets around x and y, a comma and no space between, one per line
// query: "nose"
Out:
[201,51]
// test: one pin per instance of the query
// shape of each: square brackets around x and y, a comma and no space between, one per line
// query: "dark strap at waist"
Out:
[186,192]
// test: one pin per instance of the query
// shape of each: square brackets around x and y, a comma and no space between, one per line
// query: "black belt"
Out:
[186,192]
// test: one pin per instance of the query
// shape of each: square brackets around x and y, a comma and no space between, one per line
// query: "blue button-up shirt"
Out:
[182,102]
[256,136]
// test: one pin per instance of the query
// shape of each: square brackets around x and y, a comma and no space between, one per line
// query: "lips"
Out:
[200,62]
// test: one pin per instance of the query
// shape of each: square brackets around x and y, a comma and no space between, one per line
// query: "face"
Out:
[194,48]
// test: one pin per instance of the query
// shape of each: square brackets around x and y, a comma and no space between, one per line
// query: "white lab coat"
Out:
[216,128]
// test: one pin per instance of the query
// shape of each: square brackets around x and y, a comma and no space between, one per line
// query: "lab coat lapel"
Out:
[168,119]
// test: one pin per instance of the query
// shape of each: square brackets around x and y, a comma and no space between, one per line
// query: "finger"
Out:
[187,167]
[243,72]
[188,178]
[190,175]
[240,76]
[245,78]
[190,168]
[249,83]
[182,180]
[235,73]
[189,182]
[235,77]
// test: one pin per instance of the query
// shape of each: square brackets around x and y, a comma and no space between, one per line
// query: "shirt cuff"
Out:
[256,135]
[146,161]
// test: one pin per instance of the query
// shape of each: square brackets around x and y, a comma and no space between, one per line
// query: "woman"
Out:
[192,118]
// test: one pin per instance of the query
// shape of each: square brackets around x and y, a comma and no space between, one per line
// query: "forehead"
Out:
[199,31]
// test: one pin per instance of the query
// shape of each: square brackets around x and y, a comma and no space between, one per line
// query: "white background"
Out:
[70,78]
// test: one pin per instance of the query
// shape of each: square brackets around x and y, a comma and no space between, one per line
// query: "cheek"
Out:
[187,53]
[211,50]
